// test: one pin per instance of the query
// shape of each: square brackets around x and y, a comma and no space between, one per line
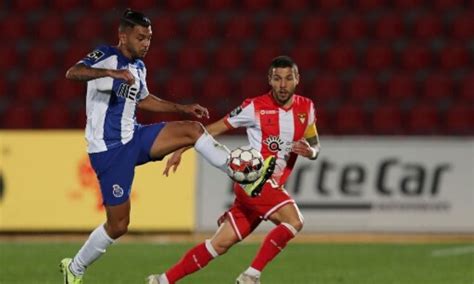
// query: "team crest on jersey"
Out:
[274,143]
[95,55]
[117,191]
[236,111]
[302,117]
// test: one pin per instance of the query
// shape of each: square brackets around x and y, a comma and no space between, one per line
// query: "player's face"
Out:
[283,82]
[137,40]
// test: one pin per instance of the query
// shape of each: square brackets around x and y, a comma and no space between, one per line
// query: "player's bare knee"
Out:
[298,225]
[196,130]
[223,247]
[118,229]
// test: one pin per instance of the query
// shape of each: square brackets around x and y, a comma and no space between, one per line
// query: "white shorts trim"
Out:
[276,207]
[234,225]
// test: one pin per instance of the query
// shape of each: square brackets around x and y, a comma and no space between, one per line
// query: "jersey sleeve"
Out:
[241,116]
[96,56]
[143,93]
[311,130]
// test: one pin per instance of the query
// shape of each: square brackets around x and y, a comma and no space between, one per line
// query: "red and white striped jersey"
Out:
[271,129]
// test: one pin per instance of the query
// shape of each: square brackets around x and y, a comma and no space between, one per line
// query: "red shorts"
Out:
[247,212]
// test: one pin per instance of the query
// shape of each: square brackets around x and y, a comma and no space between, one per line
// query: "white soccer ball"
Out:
[244,164]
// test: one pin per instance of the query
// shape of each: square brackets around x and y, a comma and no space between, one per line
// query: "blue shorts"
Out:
[115,168]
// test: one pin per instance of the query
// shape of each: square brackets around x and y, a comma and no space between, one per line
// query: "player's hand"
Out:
[196,110]
[173,162]
[123,74]
[303,148]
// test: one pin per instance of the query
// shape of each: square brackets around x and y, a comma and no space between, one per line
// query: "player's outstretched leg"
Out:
[254,189]
[69,277]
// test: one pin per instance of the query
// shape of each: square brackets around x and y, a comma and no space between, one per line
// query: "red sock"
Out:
[273,244]
[195,259]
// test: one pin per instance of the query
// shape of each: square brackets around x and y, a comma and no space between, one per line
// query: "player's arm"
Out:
[82,72]
[308,147]
[155,104]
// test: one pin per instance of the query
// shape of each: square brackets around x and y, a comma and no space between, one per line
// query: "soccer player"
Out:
[278,123]
[116,86]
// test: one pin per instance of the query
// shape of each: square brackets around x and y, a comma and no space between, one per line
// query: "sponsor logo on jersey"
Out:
[95,55]
[302,117]
[267,112]
[117,191]
[274,143]
[236,111]
[127,92]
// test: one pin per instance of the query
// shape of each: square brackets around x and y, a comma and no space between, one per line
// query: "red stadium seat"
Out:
[18,116]
[423,119]
[191,58]
[387,119]
[462,27]
[369,5]
[217,86]
[218,5]
[13,27]
[165,27]
[363,87]
[64,90]
[75,53]
[239,27]
[54,116]
[179,5]
[276,28]
[229,57]
[3,88]
[10,58]
[438,86]
[41,58]
[30,88]
[467,88]
[294,5]
[445,5]
[454,56]
[416,57]
[351,27]
[379,57]
[201,28]
[459,120]
[79,118]
[428,27]
[157,58]
[389,27]
[255,5]
[179,88]
[313,29]
[305,56]
[50,27]
[253,84]
[27,5]
[327,87]
[400,87]
[331,5]
[89,28]
[141,5]
[104,5]
[340,57]
[263,55]
[408,5]
[350,119]
[64,5]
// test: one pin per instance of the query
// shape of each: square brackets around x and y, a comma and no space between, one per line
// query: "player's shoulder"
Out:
[140,64]
[99,53]
[302,99]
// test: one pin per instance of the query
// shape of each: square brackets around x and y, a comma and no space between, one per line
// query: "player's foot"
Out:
[69,277]
[247,279]
[153,279]
[254,189]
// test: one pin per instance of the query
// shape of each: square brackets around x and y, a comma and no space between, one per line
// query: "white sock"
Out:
[214,152]
[163,279]
[253,272]
[93,248]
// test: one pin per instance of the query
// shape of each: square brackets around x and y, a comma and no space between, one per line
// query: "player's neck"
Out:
[124,51]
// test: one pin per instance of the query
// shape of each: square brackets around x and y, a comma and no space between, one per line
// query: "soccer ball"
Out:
[244,164]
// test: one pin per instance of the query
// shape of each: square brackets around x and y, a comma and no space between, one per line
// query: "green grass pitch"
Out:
[299,264]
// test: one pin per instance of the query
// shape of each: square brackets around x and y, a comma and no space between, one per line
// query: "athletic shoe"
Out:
[153,279]
[69,277]
[247,279]
[254,189]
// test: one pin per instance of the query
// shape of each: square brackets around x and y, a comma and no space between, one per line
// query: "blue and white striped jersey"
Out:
[111,103]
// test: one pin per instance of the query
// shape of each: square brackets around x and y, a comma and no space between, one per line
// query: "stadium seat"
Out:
[408,5]
[18,116]
[323,119]
[30,88]
[370,5]
[88,28]
[459,120]
[191,58]
[179,5]
[363,87]
[416,57]
[141,5]
[351,27]
[423,119]
[467,89]
[389,27]
[218,5]
[428,27]
[165,28]
[179,88]
[331,5]
[40,58]
[454,56]
[239,28]
[255,5]
[252,84]
[156,59]
[10,58]
[305,56]
[294,5]
[50,27]
[378,57]
[462,27]
[327,87]
[276,28]
[75,53]
[446,5]
[313,29]
[229,56]
[64,5]
[350,119]
[340,57]
[263,55]
[3,88]
[201,28]
[64,90]
[399,87]
[103,5]
[216,87]
[27,5]
[438,86]
[387,120]
[54,116]
[14,28]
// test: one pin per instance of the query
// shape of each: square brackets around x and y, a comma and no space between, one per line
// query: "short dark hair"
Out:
[132,18]
[282,61]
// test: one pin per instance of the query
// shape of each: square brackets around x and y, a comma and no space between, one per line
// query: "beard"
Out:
[283,98]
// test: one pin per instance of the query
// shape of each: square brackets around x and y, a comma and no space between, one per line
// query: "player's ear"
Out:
[122,37]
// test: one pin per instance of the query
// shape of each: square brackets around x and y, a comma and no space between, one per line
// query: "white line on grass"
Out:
[453,251]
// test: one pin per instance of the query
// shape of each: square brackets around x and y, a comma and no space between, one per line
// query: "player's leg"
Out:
[289,222]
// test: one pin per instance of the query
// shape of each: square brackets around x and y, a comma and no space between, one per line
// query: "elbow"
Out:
[69,74]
